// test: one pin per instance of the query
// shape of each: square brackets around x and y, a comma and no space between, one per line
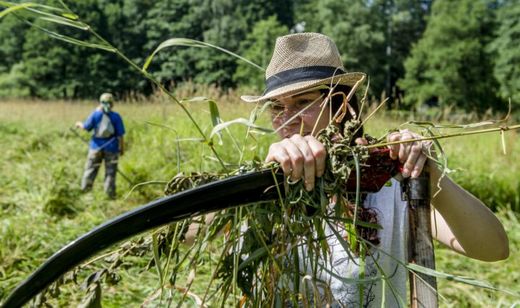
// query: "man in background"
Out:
[106,144]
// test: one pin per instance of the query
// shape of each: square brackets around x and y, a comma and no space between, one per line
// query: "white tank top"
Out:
[385,279]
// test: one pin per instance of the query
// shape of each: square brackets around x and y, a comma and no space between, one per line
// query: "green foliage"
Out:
[258,47]
[230,22]
[48,65]
[15,83]
[11,42]
[358,29]
[406,22]
[460,295]
[373,36]
[63,70]
[505,47]
[61,196]
[173,19]
[450,63]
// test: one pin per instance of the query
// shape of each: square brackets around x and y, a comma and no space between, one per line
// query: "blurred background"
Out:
[416,52]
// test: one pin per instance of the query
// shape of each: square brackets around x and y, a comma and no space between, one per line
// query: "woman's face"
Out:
[300,114]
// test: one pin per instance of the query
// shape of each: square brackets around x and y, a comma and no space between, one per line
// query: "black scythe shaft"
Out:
[233,191]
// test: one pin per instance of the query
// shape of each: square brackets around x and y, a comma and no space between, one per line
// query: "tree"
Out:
[505,49]
[231,21]
[13,81]
[358,28]
[12,37]
[173,19]
[307,15]
[450,63]
[62,70]
[405,23]
[373,36]
[121,22]
[49,64]
[258,48]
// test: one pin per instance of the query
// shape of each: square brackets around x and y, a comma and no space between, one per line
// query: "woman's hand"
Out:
[410,154]
[300,157]
[303,157]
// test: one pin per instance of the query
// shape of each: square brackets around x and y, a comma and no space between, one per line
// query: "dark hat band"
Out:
[300,74]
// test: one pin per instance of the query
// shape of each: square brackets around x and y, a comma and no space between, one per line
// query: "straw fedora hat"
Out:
[301,62]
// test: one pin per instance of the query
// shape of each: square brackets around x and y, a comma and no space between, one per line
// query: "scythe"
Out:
[254,187]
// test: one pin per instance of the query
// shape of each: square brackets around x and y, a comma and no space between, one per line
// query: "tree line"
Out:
[459,53]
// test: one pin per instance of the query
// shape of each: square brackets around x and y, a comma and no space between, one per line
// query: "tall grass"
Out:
[44,161]
[41,154]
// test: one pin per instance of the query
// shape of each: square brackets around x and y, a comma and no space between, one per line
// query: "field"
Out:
[41,207]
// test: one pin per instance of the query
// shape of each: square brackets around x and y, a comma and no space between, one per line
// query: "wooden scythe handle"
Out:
[423,288]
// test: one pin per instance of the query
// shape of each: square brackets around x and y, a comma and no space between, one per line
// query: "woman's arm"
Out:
[459,220]
[194,227]
[463,223]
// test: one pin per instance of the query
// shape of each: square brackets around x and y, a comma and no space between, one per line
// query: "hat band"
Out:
[299,74]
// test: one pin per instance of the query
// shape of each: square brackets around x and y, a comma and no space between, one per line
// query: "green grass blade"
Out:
[63,20]
[196,99]
[215,114]
[66,19]
[215,117]
[66,22]
[157,257]
[13,8]
[74,41]
[186,42]
[466,280]
[257,254]
[240,121]
[32,4]
[70,16]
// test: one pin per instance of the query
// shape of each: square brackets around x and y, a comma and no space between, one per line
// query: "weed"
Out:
[61,196]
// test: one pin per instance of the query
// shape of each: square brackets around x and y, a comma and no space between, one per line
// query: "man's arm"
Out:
[119,131]
[465,224]
[88,124]
[121,145]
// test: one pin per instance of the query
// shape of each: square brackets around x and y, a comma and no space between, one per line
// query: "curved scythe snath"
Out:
[233,191]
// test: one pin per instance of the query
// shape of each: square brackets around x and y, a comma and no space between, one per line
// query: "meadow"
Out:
[42,208]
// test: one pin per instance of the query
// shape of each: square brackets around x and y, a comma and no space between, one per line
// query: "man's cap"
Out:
[107,98]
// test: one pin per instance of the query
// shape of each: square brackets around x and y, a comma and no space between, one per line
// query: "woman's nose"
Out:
[291,115]
[293,112]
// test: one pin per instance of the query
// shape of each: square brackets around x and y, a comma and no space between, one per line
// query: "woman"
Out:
[301,67]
